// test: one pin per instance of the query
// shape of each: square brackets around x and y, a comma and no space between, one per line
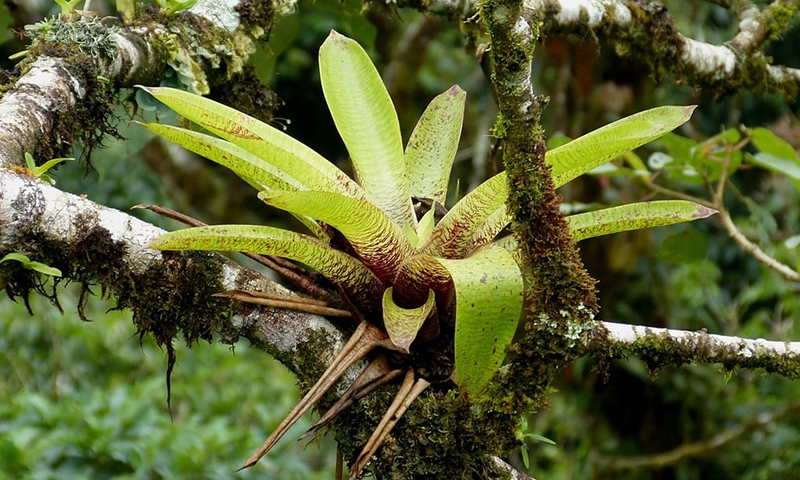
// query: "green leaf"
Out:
[402,324]
[379,242]
[779,165]
[126,10]
[488,287]
[366,119]
[453,236]
[268,143]
[635,216]
[687,246]
[475,219]
[40,172]
[769,143]
[32,265]
[426,224]
[259,173]
[432,147]
[355,278]
[256,171]
[606,143]
[540,438]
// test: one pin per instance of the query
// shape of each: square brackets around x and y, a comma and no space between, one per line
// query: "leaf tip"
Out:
[456,91]
[704,212]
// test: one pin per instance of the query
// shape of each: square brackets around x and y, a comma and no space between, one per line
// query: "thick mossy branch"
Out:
[75,65]
[660,348]
[561,298]
[647,31]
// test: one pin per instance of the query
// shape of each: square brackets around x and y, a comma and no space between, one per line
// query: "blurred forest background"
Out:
[88,400]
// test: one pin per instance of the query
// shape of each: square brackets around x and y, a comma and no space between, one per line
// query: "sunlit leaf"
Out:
[488,306]
[767,142]
[340,268]
[426,224]
[268,143]
[635,216]
[31,265]
[402,324]
[453,236]
[367,122]
[606,143]
[379,242]
[254,170]
[433,144]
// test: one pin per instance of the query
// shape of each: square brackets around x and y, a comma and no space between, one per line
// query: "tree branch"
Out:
[53,227]
[645,30]
[54,102]
[660,347]
[704,447]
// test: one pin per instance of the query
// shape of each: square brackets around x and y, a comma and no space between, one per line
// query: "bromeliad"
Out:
[436,287]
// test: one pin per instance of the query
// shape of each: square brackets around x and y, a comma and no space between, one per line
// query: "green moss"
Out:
[90,35]
[172,298]
[80,43]
[442,435]
[660,351]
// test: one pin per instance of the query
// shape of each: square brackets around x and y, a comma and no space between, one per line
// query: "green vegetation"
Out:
[87,400]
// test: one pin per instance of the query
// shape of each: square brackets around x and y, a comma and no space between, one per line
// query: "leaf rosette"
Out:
[417,281]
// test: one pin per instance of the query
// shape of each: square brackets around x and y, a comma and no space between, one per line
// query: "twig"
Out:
[696,449]
[288,302]
[730,228]
[753,249]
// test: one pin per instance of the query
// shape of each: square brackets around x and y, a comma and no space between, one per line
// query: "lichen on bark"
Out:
[561,301]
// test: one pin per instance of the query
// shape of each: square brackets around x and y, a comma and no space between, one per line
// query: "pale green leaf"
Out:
[31,265]
[635,216]
[355,278]
[426,224]
[254,170]
[779,165]
[475,219]
[453,236]
[488,287]
[433,144]
[606,143]
[767,142]
[402,324]
[411,235]
[379,242]
[259,173]
[268,143]
[366,119]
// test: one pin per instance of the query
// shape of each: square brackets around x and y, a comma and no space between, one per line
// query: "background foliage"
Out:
[87,401]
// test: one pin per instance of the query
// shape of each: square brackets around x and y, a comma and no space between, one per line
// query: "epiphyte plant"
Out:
[450,292]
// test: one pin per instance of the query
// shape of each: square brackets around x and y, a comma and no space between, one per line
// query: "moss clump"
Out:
[172,298]
[658,351]
[442,435]
[80,42]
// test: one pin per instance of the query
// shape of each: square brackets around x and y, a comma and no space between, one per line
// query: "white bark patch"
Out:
[596,11]
[716,346]
[709,59]
[218,12]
